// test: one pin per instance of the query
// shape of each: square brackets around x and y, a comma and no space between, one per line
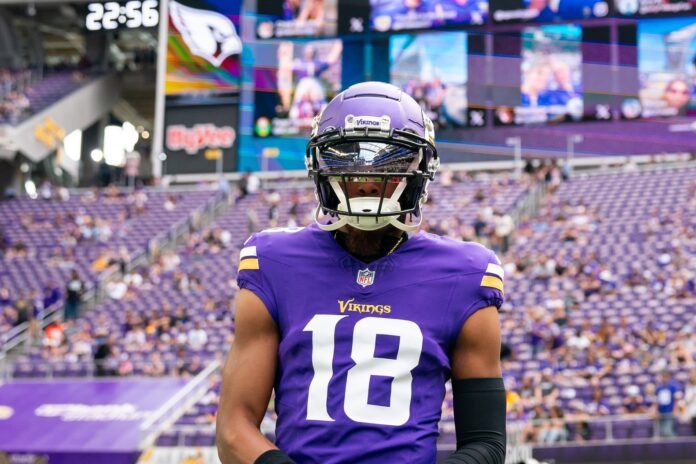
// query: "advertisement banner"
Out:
[196,137]
[52,422]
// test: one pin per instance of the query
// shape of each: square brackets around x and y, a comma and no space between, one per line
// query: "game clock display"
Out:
[133,14]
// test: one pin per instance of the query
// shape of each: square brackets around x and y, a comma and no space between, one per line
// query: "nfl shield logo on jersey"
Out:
[366,277]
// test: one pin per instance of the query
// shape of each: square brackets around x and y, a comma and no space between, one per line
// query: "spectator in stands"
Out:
[135,338]
[555,429]
[273,199]
[597,406]
[5,299]
[155,367]
[46,190]
[633,402]
[531,431]
[116,289]
[102,354]
[51,295]
[690,401]
[666,398]
[170,261]
[243,183]
[579,340]
[252,219]
[504,225]
[37,315]
[192,367]
[170,203]
[74,291]
[197,337]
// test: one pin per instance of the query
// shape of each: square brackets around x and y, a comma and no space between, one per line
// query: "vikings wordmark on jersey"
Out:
[362,368]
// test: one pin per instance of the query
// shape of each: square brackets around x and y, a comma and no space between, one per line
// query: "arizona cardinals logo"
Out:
[208,34]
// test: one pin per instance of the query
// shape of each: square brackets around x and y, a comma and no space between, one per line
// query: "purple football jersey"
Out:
[364,348]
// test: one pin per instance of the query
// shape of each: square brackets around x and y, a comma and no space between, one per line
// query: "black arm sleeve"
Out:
[274,457]
[479,418]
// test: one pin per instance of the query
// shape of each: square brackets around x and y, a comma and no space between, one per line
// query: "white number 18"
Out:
[356,406]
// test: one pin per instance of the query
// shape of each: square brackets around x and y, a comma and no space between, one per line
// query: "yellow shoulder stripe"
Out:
[248,264]
[493,282]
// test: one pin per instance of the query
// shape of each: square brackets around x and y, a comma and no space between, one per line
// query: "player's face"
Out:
[677,94]
[538,77]
[369,187]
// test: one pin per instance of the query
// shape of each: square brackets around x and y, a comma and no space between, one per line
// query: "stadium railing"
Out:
[175,406]
[607,429]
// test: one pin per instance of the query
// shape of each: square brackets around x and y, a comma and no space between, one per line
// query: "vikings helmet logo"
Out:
[208,34]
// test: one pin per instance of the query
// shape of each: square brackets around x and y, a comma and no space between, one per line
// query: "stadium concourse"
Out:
[594,326]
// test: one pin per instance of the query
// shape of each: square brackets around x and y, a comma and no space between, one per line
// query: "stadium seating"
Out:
[203,259]
[33,97]
[46,239]
[632,236]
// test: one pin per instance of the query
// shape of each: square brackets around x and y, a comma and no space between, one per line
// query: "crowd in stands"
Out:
[595,333]
[14,89]
[73,241]
[28,308]
[27,90]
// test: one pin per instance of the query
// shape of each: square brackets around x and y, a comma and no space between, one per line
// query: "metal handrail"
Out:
[14,336]
[609,423]
[175,406]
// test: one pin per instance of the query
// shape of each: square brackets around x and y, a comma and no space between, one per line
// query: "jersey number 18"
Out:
[356,406]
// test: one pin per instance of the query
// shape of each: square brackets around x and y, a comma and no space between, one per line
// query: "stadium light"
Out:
[114,150]
[72,143]
[516,143]
[130,136]
[97,155]
[30,188]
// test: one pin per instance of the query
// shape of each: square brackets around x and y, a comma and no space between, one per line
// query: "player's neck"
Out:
[368,246]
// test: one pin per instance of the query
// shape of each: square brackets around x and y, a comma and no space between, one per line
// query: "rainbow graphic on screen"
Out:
[203,47]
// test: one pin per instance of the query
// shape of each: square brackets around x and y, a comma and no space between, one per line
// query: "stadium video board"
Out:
[203,48]
[399,15]
[503,11]
[667,66]
[433,69]
[295,85]
[296,18]
[551,84]
[112,15]
[646,8]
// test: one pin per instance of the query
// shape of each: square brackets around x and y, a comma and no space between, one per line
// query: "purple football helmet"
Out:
[372,132]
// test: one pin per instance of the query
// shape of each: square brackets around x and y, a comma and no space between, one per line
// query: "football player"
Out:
[358,323]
